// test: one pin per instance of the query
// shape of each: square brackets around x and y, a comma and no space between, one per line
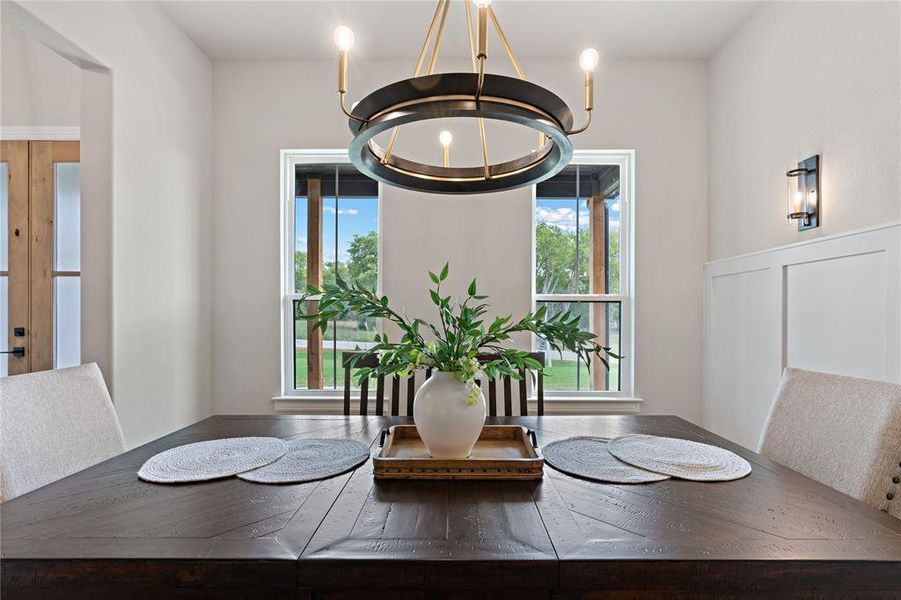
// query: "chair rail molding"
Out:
[830,304]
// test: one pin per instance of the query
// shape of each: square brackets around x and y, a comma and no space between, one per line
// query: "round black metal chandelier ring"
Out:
[445,96]
[477,95]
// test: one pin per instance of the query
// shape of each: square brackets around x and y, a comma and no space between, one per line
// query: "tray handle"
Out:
[533,437]
[382,437]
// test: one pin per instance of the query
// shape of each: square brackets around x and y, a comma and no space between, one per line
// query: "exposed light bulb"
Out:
[481,3]
[445,138]
[588,60]
[344,38]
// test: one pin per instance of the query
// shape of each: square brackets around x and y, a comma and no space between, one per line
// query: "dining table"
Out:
[102,533]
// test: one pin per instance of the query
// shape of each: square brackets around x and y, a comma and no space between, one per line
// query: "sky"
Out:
[562,213]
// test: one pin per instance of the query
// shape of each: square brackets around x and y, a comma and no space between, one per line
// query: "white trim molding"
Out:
[830,304]
[40,133]
[625,160]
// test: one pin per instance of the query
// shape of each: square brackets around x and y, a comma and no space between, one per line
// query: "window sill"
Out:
[559,405]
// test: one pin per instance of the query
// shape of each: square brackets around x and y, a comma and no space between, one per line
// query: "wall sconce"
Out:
[803,193]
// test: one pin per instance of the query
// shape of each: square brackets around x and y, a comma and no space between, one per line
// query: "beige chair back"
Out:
[842,431]
[52,424]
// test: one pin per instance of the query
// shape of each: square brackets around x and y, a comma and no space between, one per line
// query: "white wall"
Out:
[804,78]
[800,79]
[38,87]
[656,107]
[160,140]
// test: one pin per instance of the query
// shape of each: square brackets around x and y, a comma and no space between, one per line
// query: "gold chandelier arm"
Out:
[481,81]
[437,47]
[428,37]
[500,34]
[584,127]
[341,95]
[484,148]
[472,41]
[389,149]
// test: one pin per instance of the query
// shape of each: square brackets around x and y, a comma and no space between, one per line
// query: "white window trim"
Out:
[582,402]
[289,161]
[625,159]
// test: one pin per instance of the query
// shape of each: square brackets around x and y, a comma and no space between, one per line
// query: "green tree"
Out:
[300,271]
[363,262]
[555,261]
[613,261]
[331,268]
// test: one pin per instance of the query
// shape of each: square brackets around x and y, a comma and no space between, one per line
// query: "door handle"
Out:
[18,351]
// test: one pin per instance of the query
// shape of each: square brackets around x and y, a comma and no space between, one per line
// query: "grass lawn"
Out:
[561,376]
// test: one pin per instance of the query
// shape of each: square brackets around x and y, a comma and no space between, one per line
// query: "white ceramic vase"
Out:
[448,425]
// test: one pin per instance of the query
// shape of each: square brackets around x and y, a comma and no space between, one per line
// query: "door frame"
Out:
[31,207]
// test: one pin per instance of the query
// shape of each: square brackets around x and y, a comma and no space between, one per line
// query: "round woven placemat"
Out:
[589,458]
[683,459]
[213,459]
[309,460]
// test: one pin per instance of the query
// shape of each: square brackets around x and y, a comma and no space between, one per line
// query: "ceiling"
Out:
[392,29]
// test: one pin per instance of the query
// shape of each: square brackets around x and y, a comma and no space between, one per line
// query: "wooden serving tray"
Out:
[501,452]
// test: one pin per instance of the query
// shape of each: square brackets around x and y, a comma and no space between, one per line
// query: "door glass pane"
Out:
[67,321]
[4,266]
[4,218]
[67,219]
[4,325]
[564,372]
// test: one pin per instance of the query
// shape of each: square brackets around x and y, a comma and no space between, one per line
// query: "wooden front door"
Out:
[39,260]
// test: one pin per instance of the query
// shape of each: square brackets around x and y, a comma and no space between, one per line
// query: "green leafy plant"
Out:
[462,342]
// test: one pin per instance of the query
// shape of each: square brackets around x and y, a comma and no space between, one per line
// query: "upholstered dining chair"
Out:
[54,423]
[357,359]
[842,431]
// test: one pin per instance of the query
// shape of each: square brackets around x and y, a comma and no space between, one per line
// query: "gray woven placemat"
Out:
[309,460]
[212,459]
[679,458]
[589,458]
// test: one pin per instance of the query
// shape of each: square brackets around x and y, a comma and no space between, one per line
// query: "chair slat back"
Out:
[507,390]
[359,358]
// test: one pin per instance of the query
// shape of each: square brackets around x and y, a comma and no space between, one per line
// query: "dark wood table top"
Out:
[105,534]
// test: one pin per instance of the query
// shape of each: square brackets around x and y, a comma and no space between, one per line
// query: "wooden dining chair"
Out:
[363,359]
[521,391]
[844,432]
[358,359]
[54,423]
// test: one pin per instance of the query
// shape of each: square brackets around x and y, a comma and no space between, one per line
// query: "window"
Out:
[332,230]
[581,264]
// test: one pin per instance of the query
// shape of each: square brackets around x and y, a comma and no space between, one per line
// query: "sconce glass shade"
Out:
[801,194]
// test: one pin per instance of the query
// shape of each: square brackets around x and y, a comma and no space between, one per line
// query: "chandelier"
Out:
[478,95]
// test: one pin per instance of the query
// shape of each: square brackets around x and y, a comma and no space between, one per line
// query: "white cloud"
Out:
[563,217]
[341,211]
[302,242]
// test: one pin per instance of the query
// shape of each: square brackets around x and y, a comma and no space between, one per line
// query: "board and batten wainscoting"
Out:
[830,304]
